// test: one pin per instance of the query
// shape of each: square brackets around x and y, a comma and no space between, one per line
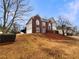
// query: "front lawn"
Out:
[40,46]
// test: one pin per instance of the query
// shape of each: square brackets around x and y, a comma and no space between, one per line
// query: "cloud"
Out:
[72,10]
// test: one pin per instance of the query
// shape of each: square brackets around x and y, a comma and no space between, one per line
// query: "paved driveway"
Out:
[76,37]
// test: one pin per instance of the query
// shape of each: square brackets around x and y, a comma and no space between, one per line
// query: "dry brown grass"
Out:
[40,46]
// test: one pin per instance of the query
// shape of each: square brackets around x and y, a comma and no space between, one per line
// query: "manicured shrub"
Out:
[7,38]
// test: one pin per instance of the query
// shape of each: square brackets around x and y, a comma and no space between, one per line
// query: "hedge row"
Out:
[7,38]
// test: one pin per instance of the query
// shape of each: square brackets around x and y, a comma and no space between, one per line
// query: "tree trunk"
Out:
[4,30]
[63,32]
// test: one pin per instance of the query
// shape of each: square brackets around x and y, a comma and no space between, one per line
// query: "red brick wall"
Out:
[40,25]
[34,23]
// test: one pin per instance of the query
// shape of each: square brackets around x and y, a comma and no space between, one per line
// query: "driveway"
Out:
[76,37]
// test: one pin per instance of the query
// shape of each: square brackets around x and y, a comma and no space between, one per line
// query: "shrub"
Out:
[7,37]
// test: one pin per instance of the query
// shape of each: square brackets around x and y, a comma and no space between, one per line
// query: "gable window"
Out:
[37,22]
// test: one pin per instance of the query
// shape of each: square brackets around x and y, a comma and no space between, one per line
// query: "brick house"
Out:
[36,24]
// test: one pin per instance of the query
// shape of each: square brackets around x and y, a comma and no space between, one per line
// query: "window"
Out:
[54,26]
[49,26]
[37,29]
[43,24]
[37,22]
[43,30]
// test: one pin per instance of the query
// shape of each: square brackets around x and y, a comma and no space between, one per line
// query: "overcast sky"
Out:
[55,8]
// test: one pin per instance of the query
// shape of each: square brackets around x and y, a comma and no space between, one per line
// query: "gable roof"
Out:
[28,20]
[42,19]
[52,19]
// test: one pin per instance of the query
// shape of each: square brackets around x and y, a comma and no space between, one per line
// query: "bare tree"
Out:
[63,23]
[13,10]
[75,29]
[16,27]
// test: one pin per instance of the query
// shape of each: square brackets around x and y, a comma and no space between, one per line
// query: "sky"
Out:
[55,8]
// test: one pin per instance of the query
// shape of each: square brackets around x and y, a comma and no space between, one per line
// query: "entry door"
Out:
[49,26]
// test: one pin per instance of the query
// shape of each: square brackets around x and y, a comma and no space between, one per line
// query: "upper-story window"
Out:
[37,22]
[49,26]
[43,24]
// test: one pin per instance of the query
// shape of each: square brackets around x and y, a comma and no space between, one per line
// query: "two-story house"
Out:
[36,24]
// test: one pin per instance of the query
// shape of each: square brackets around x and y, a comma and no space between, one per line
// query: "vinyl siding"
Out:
[29,27]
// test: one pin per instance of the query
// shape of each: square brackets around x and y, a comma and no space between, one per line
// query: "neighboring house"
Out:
[36,24]
[59,29]
[67,31]
[70,31]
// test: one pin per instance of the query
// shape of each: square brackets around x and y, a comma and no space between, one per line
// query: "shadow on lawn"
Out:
[59,38]
[7,43]
[69,40]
